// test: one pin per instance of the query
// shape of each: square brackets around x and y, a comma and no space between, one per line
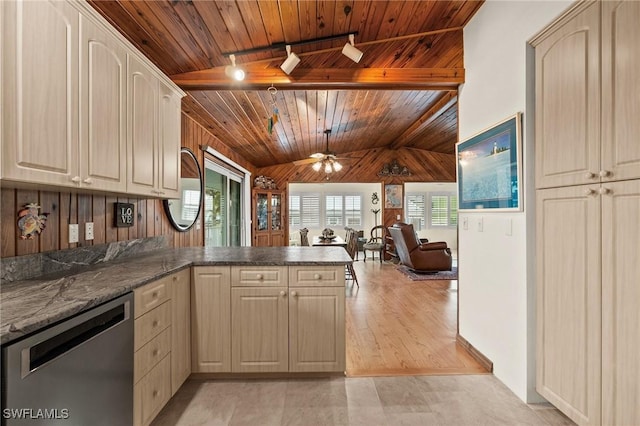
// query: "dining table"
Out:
[336,241]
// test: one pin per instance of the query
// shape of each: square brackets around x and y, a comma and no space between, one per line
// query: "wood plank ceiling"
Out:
[402,94]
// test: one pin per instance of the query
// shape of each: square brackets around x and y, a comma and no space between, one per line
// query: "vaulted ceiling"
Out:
[402,94]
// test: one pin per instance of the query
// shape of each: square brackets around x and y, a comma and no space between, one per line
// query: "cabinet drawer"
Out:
[316,276]
[151,295]
[151,324]
[151,354]
[257,276]
[152,392]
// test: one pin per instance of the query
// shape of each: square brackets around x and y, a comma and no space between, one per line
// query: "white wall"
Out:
[496,270]
[450,235]
[366,189]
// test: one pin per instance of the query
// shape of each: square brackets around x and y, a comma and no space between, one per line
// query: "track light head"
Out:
[232,71]
[352,52]
[291,62]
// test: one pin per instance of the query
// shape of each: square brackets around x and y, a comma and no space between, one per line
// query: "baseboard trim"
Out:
[475,353]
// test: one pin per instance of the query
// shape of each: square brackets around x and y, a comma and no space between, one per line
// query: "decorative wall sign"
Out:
[124,215]
[30,222]
[489,168]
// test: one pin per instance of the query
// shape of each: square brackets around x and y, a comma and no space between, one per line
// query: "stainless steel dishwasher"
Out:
[78,372]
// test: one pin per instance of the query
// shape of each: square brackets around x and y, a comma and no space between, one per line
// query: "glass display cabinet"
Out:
[268,218]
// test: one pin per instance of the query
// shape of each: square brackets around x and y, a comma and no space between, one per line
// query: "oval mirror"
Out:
[184,212]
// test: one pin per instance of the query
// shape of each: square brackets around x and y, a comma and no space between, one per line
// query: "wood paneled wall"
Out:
[65,207]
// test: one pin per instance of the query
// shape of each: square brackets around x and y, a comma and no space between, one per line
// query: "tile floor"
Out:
[407,400]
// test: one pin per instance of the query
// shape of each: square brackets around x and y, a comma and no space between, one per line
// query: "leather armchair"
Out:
[419,257]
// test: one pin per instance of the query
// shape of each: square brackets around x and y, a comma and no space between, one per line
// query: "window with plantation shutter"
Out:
[190,204]
[415,213]
[304,210]
[343,210]
[353,210]
[443,210]
[333,210]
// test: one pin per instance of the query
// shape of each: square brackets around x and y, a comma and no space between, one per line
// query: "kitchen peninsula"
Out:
[275,310]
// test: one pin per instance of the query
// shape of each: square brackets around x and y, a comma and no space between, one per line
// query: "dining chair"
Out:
[376,243]
[304,237]
[351,239]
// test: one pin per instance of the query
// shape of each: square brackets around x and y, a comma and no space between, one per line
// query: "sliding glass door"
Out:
[223,207]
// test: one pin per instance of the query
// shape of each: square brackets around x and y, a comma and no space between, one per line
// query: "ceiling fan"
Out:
[323,158]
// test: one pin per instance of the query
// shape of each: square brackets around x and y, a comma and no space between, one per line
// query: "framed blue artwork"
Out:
[490,168]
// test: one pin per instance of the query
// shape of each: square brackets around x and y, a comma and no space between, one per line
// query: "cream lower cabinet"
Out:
[211,319]
[316,319]
[283,319]
[180,328]
[161,343]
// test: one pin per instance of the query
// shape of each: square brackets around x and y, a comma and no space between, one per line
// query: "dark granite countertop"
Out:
[29,305]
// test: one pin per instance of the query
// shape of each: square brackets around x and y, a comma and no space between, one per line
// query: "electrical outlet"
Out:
[88,231]
[73,233]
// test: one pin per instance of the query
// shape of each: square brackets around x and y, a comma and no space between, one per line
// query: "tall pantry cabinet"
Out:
[588,212]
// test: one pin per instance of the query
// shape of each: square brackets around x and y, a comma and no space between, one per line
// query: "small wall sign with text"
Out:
[123,215]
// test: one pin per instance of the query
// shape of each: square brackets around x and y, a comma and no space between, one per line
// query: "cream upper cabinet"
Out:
[211,319]
[569,300]
[568,102]
[153,134]
[169,115]
[40,92]
[103,67]
[81,108]
[620,296]
[620,90]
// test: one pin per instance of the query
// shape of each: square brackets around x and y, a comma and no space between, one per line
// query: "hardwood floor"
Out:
[396,326]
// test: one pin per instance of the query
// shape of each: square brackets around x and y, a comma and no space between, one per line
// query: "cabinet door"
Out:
[169,116]
[141,129]
[620,296]
[211,319]
[259,326]
[180,328]
[261,219]
[620,96]
[569,300]
[103,66]
[40,92]
[568,102]
[316,329]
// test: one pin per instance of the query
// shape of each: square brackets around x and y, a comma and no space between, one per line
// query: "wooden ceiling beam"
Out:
[332,78]
[442,104]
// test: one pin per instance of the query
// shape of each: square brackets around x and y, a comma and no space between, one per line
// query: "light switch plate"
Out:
[480,224]
[88,231]
[465,223]
[73,233]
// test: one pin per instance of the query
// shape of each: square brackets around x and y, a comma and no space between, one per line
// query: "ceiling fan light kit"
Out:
[326,160]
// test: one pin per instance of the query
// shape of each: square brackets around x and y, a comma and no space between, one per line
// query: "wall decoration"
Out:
[124,215]
[394,169]
[374,198]
[30,222]
[489,168]
[393,196]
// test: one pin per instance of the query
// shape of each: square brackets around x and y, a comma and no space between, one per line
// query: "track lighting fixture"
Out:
[352,52]
[291,62]
[232,71]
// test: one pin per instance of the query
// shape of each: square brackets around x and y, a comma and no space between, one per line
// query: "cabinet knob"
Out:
[155,324]
[155,393]
[155,352]
[175,278]
[294,293]
[76,179]
[589,175]
[604,191]
[88,181]
[259,276]
[317,276]
[283,293]
[154,294]
[604,173]
[589,191]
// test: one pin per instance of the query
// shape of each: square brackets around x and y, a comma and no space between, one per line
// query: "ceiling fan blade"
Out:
[317,155]
[305,161]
